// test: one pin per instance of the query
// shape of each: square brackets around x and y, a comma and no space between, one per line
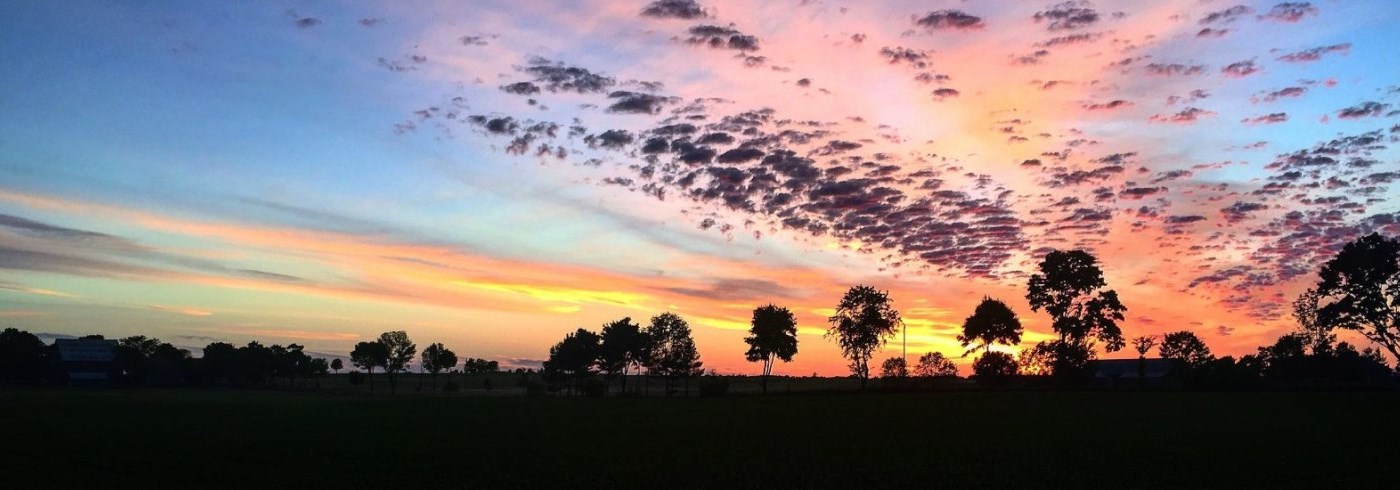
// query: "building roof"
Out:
[86,350]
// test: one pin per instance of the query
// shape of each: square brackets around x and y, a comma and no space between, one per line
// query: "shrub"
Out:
[356,378]
[994,366]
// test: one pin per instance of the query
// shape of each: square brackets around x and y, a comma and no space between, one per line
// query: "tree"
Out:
[1185,347]
[772,336]
[672,348]
[400,350]
[1143,345]
[623,346]
[369,355]
[437,358]
[864,320]
[1360,290]
[1070,287]
[336,365]
[573,358]
[993,366]
[934,364]
[1317,335]
[1039,360]
[21,356]
[991,323]
[894,367]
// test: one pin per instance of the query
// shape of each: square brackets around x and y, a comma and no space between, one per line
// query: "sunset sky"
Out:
[492,175]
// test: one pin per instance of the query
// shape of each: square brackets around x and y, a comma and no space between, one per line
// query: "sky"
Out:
[492,175]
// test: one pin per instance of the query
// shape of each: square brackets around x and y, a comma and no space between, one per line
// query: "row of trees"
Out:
[663,348]
[146,361]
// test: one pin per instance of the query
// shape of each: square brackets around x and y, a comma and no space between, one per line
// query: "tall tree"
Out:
[1360,290]
[991,323]
[772,336]
[934,364]
[623,346]
[673,348]
[1070,287]
[1186,347]
[864,320]
[369,355]
[401,351]
[437,358]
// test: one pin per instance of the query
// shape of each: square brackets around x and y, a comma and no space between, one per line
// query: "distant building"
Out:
[1113,370]
[88,362]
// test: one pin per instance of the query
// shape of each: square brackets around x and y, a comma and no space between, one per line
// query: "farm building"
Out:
[88,362]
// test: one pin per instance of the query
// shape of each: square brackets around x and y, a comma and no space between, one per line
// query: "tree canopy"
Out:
[991,323]
[673,350]
[1069,287]
[1186,347]
[934,364]
[400,352]
[864,320]
[622,346]
[1360,290]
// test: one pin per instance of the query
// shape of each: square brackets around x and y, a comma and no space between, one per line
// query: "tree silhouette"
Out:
[336,365]
[994,366]
[573,358]
[369,355]
[1143,345]
[21,356]
[934,364]
[1069,287]
[400,352]
[772,336]
[1186,347]
[864,320]
[1039,360]
[991,323]
[623,346]
[1317,335]
[1361,290]
[672,349]
[437,358]
[894,367]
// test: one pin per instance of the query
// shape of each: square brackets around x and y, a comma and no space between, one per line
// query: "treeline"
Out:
[1358,290]
[145,361]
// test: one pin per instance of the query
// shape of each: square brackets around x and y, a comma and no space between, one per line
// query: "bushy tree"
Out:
[575,357]
[21,356]
[864,320]
[1360,290]
[437,358]
[1314,333]
[401,351]
[1070,287]
[337,365]
[369,355]
[1039,360]
[991,323]
[934,364]
[993,366]
[772,337]
[673,351]
[623,346]
[894,367]
[1186,347]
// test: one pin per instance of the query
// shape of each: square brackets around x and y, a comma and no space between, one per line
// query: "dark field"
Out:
[191,439]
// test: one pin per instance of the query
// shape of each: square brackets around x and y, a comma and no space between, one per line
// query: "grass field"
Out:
[200,439]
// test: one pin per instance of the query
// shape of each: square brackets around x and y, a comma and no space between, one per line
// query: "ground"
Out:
[201,439]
